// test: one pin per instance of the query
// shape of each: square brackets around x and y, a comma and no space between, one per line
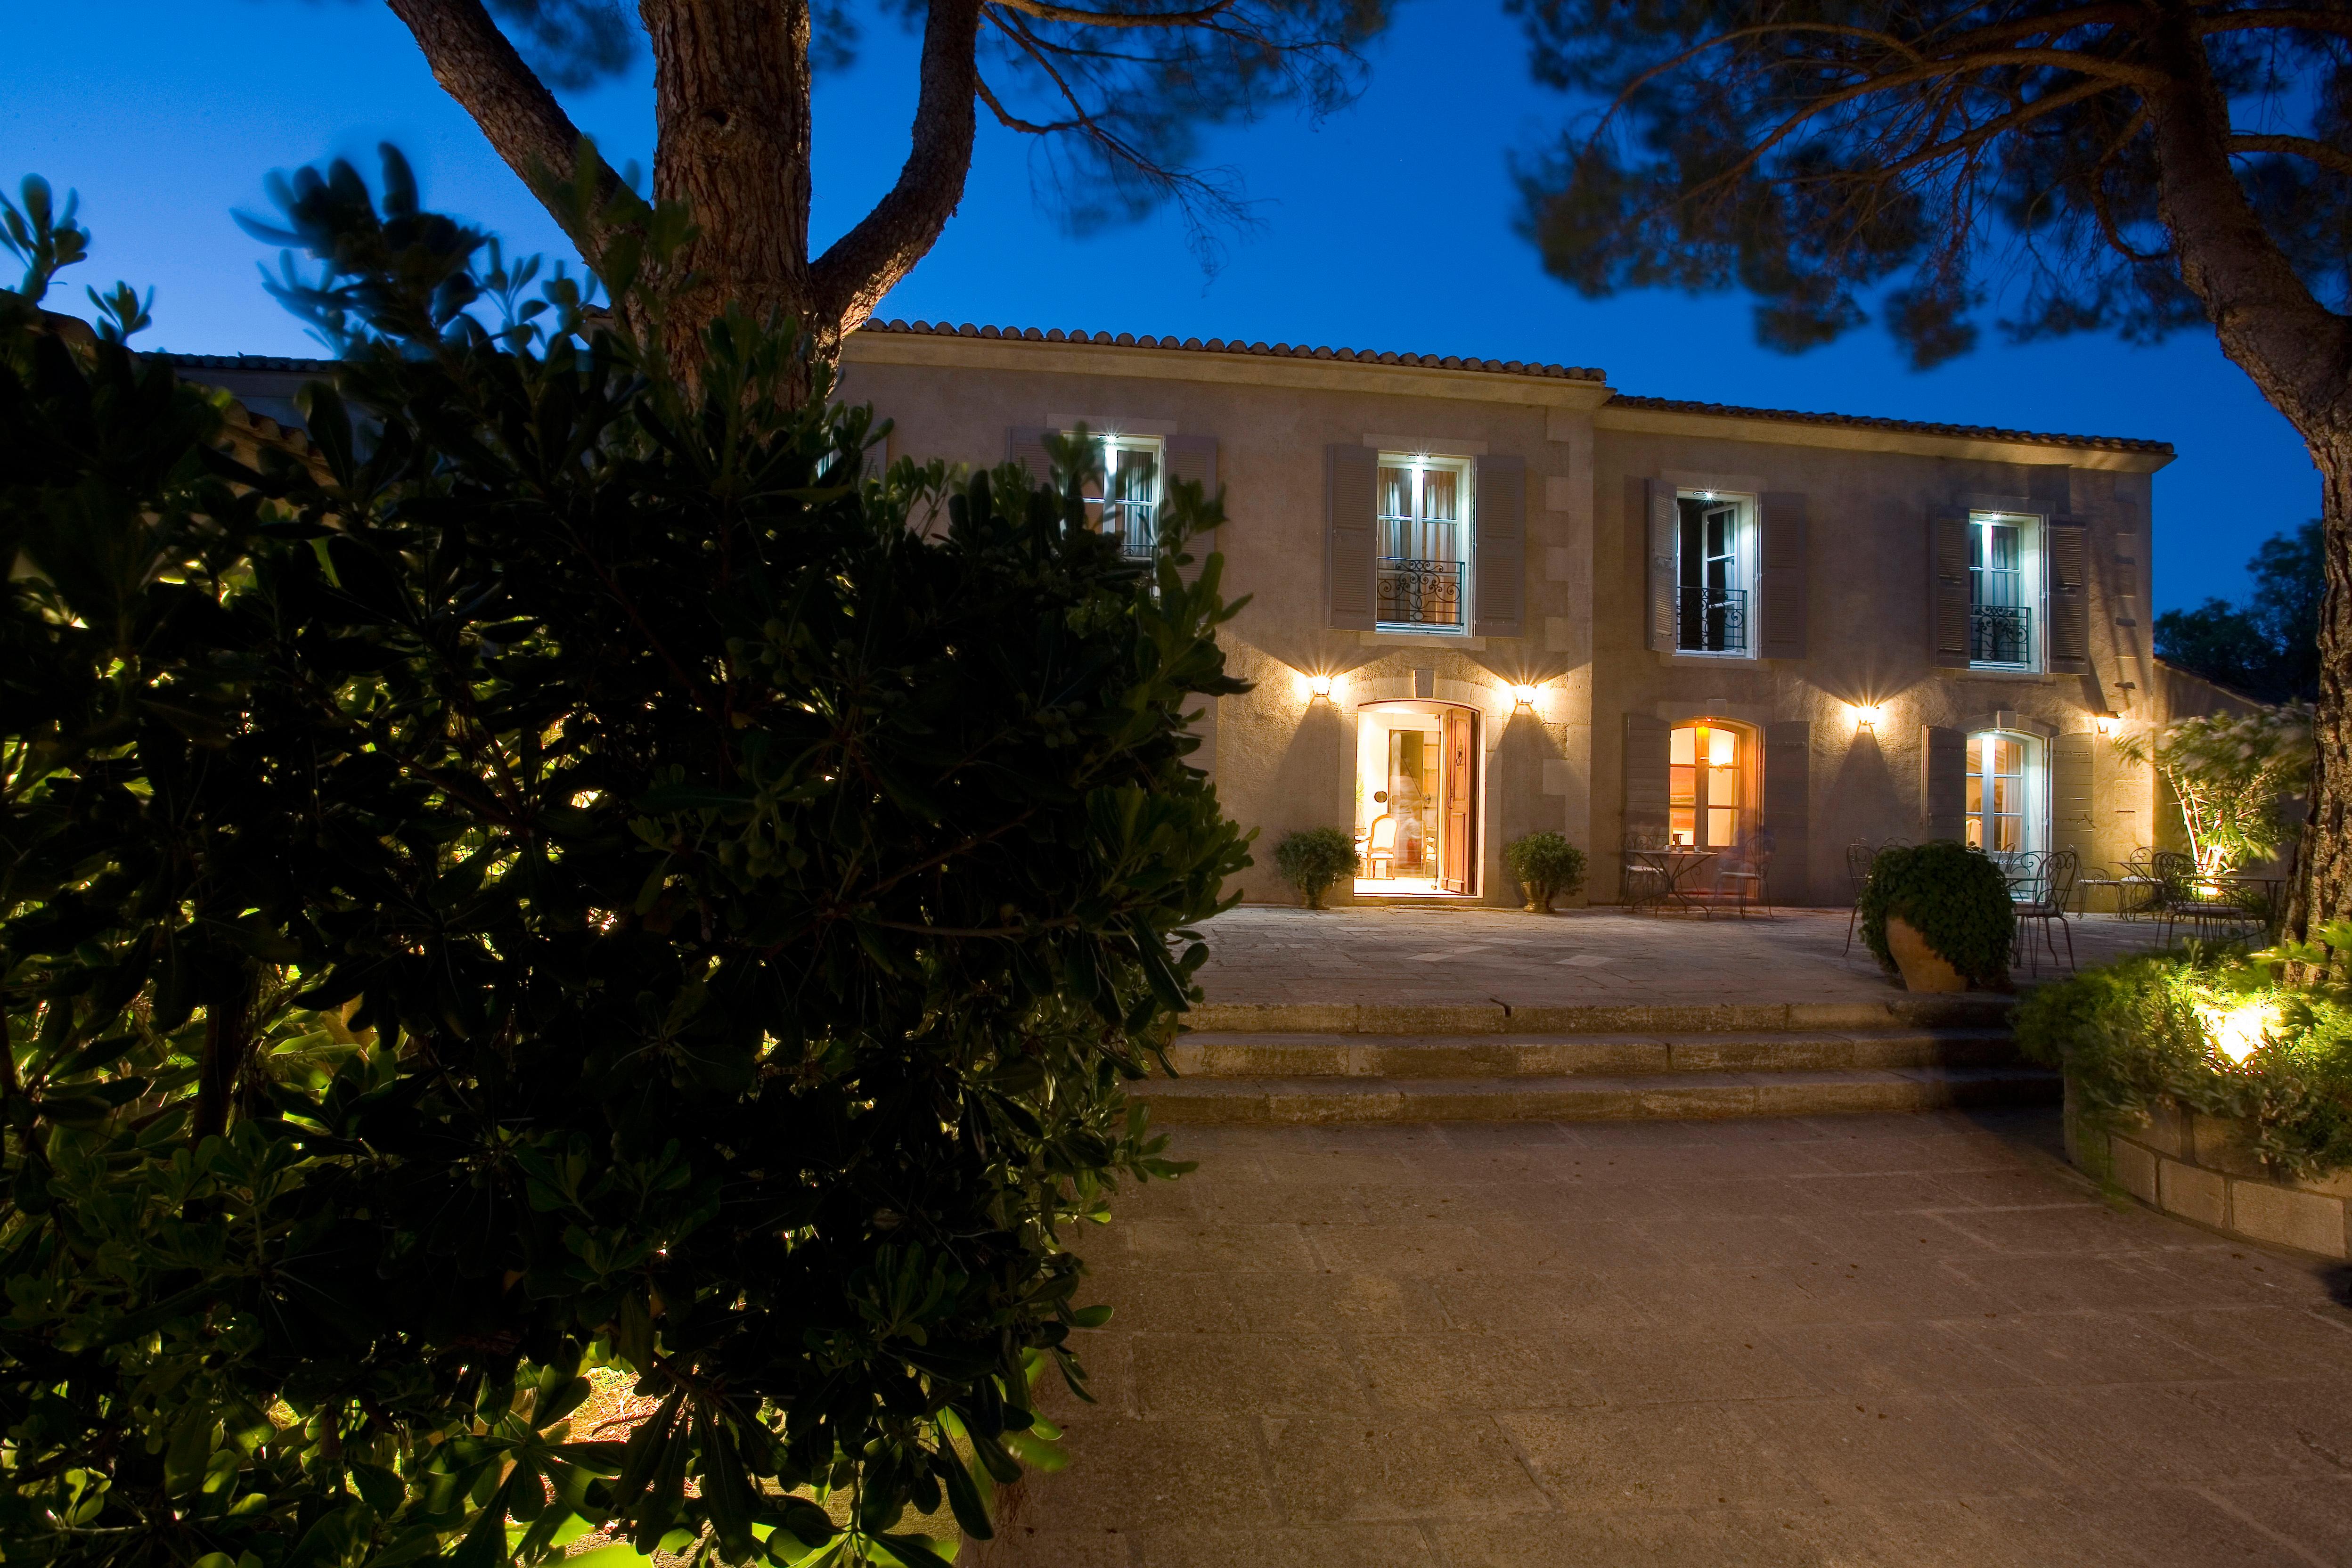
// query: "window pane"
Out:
[1441,494]
[1680,830]
[1682,747]
[1720,831]
[2009,757]
[1976,794]
[1720,747]
[1682,786]
[1396,493]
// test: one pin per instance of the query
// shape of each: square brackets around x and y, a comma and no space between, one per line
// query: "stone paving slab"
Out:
[1912,1340]
[1404,956]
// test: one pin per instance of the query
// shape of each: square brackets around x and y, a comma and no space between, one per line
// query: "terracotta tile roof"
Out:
[1236,346]
[251,361]
[1907,427]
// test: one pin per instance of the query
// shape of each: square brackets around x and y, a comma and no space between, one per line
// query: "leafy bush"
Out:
[2146,1031]
[581,882]
[1547,864]
[2230,773]
[1312,859]
[1952,894]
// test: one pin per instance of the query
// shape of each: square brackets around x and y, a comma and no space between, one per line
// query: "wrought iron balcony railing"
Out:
[2000,634]
[1711,620]
[1419,592]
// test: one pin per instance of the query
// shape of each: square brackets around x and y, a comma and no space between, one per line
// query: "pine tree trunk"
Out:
[2323,889]
[731,113]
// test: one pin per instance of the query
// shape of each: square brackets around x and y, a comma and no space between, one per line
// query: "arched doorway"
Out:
[1417,799]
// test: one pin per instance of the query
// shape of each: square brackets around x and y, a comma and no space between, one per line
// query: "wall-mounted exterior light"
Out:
[1524,695]
[1866,715]
[1318,686]
[2107,722]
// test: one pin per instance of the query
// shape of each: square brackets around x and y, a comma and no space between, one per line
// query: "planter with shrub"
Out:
[1939,914]
[1547,867]
[1312,859]
[2207,1086]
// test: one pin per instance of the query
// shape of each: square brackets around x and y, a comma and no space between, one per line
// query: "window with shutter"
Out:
[1349,560]
[1706,542]
[1787,587]
[2070,597]
[1424,518]
[1499,596]
[1194,458]
[1943,782]
[1948,591]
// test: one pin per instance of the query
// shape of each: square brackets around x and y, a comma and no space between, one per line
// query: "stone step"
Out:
[1227,1101]
[1498,1015]
[1287,1056]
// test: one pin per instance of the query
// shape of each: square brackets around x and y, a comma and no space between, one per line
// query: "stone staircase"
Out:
[1277,1063]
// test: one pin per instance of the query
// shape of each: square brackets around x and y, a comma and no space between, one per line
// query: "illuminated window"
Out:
[1425,543]
[1703,786]
[1715,560]
[2004,586]
[2004,789]
[1123,490]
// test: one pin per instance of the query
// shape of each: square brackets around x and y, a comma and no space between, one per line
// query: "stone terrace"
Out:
[1903,1341]
[1261,954]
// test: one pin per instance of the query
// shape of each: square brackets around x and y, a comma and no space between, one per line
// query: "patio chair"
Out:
[1858,857]
[1744,885]
[2053,885]
[2185,896]
[1639,885]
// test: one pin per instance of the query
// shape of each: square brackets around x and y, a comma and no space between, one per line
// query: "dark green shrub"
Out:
[2141,1033]
[582,885]
[1312,859]
[1546,866]
[1953,896]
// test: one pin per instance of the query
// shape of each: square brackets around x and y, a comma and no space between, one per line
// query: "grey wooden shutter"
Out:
[1645,774]
[1786,587]
[1499,544]
[1025,445]
[1787,809]
[1195,458]
[2071,826]
[1351,475]
[1948,590]
[1664,527]
[1944,782]
[2068,641]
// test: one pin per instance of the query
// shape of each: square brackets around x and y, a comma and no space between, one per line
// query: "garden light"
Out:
[2237,1032]
[1524,695]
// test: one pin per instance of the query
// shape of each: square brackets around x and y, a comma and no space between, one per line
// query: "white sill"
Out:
[1420,640]
[1995,673]
[1685,656]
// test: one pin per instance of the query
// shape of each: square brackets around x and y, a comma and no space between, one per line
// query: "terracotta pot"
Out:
[1924,969]
[1538,905]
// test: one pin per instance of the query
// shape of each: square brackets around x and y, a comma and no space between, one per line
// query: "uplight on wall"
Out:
[1524,695]
[1866,715]
[2107,722]
[1318,686]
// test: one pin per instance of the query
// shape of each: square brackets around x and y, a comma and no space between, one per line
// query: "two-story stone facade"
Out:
[1487,598]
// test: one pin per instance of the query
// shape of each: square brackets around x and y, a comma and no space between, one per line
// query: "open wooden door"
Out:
[1458,790]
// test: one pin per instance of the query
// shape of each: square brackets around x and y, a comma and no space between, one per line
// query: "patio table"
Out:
[1675,867]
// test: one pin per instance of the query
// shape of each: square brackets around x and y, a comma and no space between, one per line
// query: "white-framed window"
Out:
[1123,490]
[1424,524]
[2004,590]
[2007,787]
[1715,574]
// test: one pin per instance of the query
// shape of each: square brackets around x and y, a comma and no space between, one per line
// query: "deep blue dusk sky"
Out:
[1387,227]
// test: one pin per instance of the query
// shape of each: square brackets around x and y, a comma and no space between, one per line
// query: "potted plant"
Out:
[1939,915]
[1547,867]
[1312,859]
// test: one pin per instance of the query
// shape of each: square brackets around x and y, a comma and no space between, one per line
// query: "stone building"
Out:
[1487,598]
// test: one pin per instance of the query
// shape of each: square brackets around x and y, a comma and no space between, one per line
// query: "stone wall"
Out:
[2199,1168]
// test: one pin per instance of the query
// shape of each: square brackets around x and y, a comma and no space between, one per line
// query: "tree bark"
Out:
[2299,354]
[228,1035]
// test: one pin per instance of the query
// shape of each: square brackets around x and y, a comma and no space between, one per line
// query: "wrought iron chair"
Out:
[1858,857]
[2185,896]
[2053,886]
[1639,885]
[1745,884]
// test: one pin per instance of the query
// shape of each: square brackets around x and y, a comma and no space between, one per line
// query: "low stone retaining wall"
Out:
[2199,1168]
